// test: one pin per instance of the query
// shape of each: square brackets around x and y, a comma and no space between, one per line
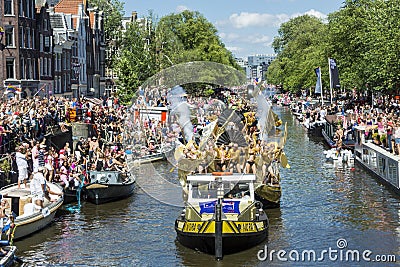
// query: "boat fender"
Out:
[45,212]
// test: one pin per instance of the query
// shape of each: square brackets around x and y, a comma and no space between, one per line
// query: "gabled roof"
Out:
[69,6]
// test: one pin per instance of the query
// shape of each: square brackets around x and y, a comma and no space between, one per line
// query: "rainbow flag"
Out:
[13,89]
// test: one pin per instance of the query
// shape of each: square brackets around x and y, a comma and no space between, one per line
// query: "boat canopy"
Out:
[234,177]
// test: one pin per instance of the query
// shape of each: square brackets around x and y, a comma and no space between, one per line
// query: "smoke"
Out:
[265,119]
[180,108]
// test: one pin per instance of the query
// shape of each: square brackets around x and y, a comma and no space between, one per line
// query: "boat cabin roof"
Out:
[233,177]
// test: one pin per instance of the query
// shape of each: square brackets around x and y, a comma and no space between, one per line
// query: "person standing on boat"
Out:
[339,139]
[35,155]
[22,164]
[38,187]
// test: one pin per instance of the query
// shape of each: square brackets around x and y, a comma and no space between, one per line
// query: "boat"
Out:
[134,157]
[28,218]
[221,215]
[8,258]
[107,186]
[269,195]
[378,161]
[329,130]
[344,155]
[71,195]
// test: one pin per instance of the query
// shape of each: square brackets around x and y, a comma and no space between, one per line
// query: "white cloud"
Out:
[181,8]
[234,49]
[258,39]
[229,36]
[317,14]
[246,19]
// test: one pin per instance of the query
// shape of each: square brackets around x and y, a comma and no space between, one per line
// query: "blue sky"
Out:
[247,27]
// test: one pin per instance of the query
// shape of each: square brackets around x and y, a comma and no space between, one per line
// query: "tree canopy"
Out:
[174,39]
[362,36]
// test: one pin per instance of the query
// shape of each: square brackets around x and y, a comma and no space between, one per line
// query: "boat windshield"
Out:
[231,189]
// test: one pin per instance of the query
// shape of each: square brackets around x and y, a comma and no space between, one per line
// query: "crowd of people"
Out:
[381,118]
[26,126]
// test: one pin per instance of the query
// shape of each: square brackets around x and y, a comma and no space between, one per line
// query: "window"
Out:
[59,62]
[21,37]
[10,73]
[28,38]
[22,68]
[47,43]
[28,68]
[41,43]
[45,67]
[41,67]
[9,32]
[49,67]
[33,38]
[8,7]
[21,8]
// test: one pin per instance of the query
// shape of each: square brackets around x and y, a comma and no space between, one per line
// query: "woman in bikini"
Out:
[250,163]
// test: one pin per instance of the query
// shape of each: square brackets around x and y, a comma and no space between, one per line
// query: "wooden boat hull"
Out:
[8,259]
[268,195]
[28,224]
[234,238]
[99,193]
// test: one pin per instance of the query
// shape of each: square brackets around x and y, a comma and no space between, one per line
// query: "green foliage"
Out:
[300,48]
[363,36]
[188,36]
[5,166]
[174,39]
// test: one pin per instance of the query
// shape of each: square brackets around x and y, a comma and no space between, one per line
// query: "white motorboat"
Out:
[29,217]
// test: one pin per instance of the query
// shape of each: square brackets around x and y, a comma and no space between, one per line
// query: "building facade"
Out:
[18,60]
[52,47]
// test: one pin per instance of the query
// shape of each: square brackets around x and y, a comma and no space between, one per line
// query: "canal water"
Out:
[323,207]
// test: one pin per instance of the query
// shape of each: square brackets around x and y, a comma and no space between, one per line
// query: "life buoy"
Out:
[221,173]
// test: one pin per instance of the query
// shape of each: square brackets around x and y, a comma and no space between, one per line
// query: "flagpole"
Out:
[330,78]
[322,88]
[41,88]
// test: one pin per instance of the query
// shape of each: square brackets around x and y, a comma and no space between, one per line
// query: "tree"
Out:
[188,36]
[300,49]
[364,36]
[137,61]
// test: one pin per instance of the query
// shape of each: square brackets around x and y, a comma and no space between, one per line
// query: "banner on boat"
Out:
[228,206]
[156,113]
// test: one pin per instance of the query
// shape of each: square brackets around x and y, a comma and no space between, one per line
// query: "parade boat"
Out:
[135,158]
[107,186]
[8,257]
[381,163]
[29,217]
[329,130]
[221,215]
